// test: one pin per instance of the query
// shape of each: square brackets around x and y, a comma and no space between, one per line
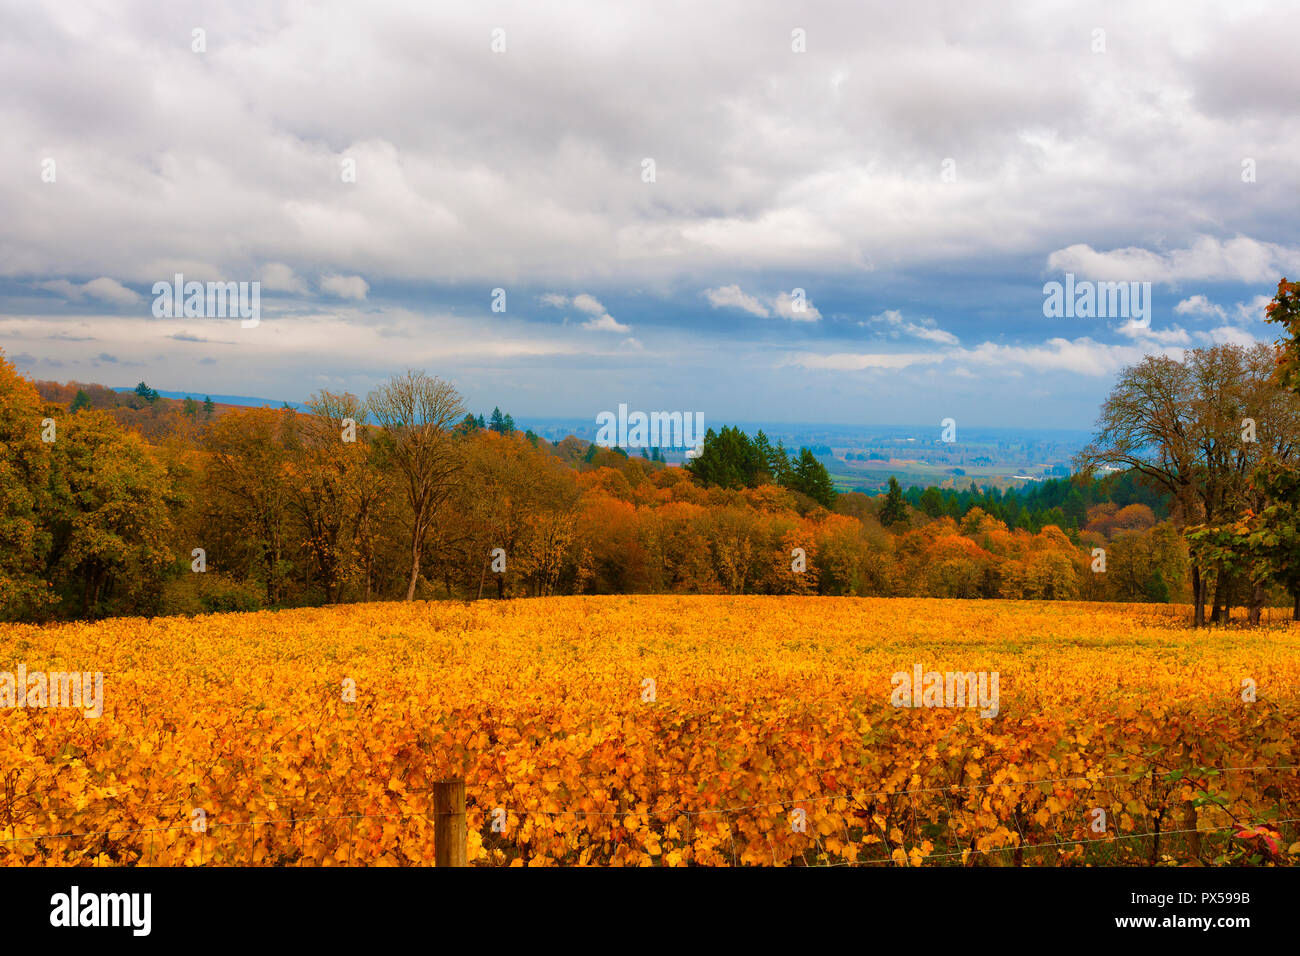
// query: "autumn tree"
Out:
[417,412]
[1284,310]
[249,493]
[24,474]
[1275,530]
[1197,428]
[735,541]
[491,506]
[339,493]
[108,518]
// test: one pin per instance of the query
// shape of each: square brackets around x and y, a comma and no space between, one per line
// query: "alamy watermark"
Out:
[948,689]
[84,691]
[130,910]
[216,300]
[1098,300]
[653,430]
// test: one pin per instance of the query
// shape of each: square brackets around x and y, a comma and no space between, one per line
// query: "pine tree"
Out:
[894,509]
[82,400]
[766,454]
[209,406]
[810,477]
[778,464]
[1076,512]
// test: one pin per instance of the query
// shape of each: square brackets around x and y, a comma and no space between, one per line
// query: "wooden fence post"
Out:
[449,833]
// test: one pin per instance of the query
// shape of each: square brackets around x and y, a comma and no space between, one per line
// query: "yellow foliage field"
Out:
[658,731]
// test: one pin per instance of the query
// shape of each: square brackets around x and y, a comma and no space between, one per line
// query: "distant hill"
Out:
[243,400]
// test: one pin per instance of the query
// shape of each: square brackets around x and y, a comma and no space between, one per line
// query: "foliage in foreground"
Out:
[760,707]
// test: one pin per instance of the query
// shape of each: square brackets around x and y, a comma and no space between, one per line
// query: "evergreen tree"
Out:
[209,406]
[894,510]
[932,502]
[82,400]
[729,459]
[778,465]
[766,454]
[810,477]
[1011,512]
[1074,509]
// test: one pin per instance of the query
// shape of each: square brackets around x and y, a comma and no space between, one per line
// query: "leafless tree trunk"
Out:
[418,412]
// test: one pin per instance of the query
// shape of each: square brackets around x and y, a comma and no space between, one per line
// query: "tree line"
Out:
[136,504]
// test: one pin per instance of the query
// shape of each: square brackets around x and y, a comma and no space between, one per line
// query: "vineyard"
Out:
[659,731]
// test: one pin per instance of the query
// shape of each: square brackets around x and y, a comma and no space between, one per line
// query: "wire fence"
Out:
[502,847]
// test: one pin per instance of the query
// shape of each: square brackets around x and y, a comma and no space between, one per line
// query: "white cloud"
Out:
[1134,329]
[278,277]
[1254,310]
[601,320]
[588,304]
[606,323]
[926,329]
[345,287]
[784,306]
[1228,335]
[733,297]
[1199,305]
[110,290]
[1207,259]
[770,168]
[857,361]
[103,288]
[1080,356]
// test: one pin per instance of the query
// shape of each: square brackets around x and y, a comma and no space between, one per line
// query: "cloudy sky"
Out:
[650,184]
